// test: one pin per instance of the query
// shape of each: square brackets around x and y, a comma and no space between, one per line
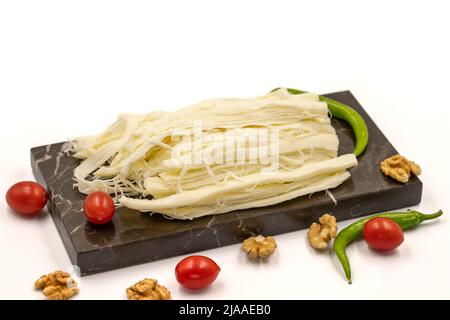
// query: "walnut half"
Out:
[259,247]
[320,234]
[399,168]
[148,289]
[57,285]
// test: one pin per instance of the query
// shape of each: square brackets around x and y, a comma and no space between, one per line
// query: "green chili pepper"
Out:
[406,220]
[349,115]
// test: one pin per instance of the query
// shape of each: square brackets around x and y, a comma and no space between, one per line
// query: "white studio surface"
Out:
[69,68]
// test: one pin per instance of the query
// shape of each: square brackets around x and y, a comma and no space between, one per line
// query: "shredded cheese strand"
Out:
[145,161]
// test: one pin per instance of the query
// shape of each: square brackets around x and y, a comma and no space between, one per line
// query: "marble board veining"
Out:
[134,238]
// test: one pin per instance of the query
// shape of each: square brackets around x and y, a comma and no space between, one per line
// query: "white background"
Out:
[67,68]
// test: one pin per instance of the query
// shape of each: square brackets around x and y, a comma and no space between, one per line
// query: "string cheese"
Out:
[185,165]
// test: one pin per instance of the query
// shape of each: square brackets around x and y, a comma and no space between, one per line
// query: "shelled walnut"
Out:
[320,234]
[57,285]
[259,247]
[399,168]
[148,289]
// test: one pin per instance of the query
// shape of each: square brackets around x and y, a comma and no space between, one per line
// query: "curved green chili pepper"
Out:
[349,115]
[406,220]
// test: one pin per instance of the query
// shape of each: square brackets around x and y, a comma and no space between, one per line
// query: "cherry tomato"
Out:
[27,198]
[99,207]
[196,272]
[383,234]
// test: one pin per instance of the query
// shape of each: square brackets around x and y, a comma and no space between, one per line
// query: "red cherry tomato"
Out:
[27,198]
[383,234]
[99,207]
[196,272]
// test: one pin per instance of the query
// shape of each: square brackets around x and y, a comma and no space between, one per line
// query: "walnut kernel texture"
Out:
[57,285]
[148,289]
[259,247]
[399,168]
[320,234]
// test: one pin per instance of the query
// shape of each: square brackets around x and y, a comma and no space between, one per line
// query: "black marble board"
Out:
[133,237]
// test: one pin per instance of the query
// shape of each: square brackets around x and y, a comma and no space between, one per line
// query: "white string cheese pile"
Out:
[145,162]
